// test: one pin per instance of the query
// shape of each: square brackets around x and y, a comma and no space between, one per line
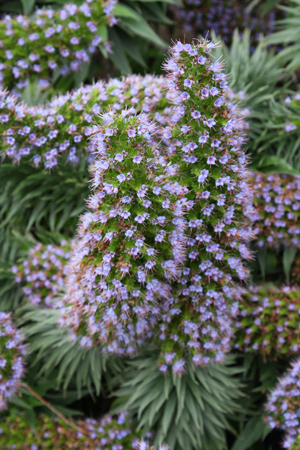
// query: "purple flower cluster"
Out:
[59,129]
[283,406]
[108,433]
[44,273]
[51,41]
[293,103]
[268,321]
[277,210]
[11,358]
[166,236]
[223,16]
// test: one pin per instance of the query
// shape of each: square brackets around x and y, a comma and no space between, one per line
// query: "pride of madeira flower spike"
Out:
[130,245]
[107,433]
[283,406]
[268,321]
[44,272]
[58,130]
[158,254]
[277,210]
[204,140]
[51,40]
[12,352]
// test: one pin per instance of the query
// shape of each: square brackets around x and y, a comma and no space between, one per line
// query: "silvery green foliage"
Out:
[288,34]
[158,253]
[188,412]
[12,351]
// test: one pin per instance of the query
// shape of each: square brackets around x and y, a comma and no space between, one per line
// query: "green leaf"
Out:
[140,27]
[121,10]
[118,56]
[168,413]
[82,73]
[275,164]
[27,6]
[289,254]
[130,46]
[262,262]
[103,32]
[255,430]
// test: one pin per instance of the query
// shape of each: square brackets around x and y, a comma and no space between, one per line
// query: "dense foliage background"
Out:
[229,405]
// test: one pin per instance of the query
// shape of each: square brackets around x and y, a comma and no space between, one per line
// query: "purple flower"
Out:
[121,178]
[210,123]
[205,194]
[139,219]
[211,160]
[137,159]
[196,115]
[131,133]
[289,127]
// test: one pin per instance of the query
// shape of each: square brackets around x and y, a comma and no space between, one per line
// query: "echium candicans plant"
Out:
[205,139]
[58,130]
[283,406]
[43,273]
[111,433]
[158,255]
[52,41]
[267,322]
[130,244]
[277,209]
[12,356]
